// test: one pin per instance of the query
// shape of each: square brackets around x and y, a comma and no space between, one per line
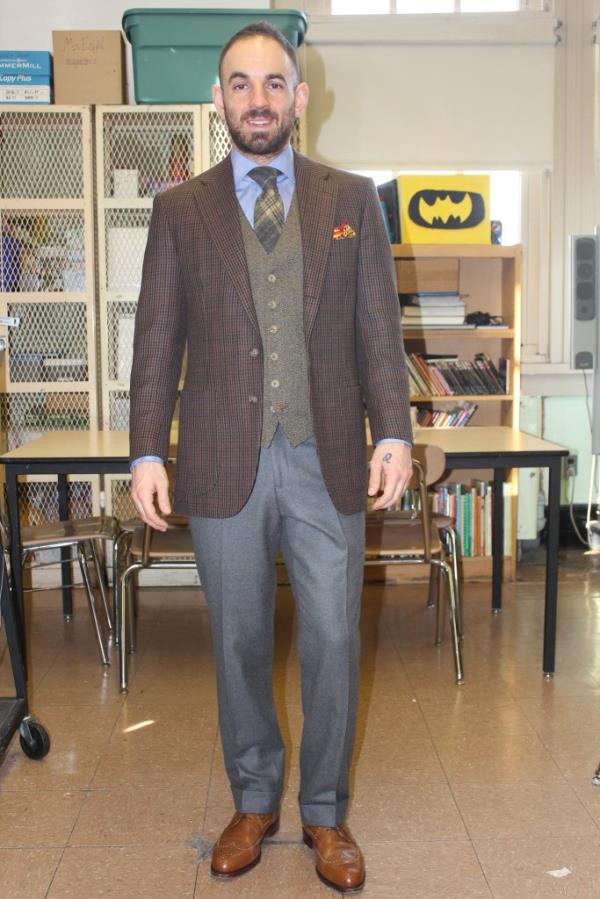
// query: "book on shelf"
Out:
[470,505]
[446,375]
[440,308]
[456,417]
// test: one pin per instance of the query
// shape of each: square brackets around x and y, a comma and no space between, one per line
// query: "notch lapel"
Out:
[317,196]
[219,208]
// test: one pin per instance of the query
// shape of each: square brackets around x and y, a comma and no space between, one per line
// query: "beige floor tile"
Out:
[27,873]
[133,816]
[414,870]
[496,758]
[404,758]
[464,714]
[78,737]
[497,811]
[38,818]
[154,753]
[519,868]
[126,873]
[384,811]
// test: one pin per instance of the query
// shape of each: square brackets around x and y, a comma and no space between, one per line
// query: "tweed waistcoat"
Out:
[276,279]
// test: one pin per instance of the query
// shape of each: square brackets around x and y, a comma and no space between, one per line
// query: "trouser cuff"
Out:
[255,802]
[324,815]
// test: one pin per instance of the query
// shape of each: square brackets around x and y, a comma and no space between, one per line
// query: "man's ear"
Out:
[217,94]
[301,97]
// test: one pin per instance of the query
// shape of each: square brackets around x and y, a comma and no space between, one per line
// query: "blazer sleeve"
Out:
[381,360]
[159,342]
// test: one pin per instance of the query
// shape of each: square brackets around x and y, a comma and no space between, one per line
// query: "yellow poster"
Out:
[444,208]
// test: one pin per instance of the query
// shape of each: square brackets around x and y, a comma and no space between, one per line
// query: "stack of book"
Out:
[430,309]
[457,417]
[433,374]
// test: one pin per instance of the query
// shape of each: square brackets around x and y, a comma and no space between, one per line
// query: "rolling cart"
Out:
[14,712]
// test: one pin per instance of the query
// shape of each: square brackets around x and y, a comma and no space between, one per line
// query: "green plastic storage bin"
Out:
[176,51]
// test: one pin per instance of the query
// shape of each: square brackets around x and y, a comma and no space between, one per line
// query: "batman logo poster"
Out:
[446,209]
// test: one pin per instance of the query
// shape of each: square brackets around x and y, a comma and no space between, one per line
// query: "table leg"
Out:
[497,540]
[65,554]
[16,569]
[552,566]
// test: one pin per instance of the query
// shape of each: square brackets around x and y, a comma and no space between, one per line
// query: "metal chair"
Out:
[83,535]
[409,538]
[171,549]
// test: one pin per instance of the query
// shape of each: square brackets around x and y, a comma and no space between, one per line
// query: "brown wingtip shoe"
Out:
[238,848]
[340,864]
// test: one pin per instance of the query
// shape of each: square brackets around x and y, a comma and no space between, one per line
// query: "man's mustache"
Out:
[262,112]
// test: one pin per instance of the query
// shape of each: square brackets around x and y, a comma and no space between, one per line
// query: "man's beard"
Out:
[260,143]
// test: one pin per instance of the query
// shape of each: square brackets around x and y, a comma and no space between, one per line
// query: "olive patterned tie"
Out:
[268,211]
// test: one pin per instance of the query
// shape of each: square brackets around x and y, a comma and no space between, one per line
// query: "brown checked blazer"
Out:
[196,290]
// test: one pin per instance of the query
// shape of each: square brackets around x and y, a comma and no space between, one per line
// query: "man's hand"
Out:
[391,471]
[149,480]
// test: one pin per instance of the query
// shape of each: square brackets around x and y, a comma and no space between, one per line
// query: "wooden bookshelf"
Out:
[488,278]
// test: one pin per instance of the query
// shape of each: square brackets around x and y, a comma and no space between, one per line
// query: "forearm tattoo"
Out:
[387,457]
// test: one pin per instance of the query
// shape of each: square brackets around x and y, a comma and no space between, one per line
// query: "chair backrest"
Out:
[432,460]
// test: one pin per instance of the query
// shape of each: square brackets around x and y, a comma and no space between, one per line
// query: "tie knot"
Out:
[265,176]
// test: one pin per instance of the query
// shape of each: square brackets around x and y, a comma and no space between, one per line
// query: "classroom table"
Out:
[499,448]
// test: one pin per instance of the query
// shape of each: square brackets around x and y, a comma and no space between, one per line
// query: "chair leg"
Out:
[434,586]
[449,578]
[101,585]
[123,615]
[453,541]
[439,604]
[133,612]
[92,603]
[124,536]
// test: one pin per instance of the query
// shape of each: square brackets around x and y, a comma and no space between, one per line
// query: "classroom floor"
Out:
[478,791]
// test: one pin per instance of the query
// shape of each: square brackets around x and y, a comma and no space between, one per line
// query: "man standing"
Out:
[276,273]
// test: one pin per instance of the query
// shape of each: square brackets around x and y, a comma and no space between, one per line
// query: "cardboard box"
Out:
[426,275]
[89,67]
[445,208]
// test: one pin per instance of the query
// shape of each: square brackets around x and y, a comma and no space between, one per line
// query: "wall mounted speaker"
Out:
[584,300]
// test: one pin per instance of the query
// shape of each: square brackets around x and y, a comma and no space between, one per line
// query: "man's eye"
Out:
[275,85]
[239,86]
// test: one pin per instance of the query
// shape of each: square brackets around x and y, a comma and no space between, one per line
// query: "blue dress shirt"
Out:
[247,192]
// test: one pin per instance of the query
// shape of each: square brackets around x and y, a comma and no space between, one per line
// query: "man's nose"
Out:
[259,96]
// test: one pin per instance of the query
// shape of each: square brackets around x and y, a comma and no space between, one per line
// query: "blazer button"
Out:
[254,352]
[252,399]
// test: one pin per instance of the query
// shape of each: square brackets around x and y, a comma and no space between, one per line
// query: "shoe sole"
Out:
[220,875]
[330,883]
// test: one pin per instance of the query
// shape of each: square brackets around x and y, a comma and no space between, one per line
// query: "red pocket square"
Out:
[343,230]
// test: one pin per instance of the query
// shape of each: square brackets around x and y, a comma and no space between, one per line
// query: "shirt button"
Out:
[275,383]
[272,304]
[274,357]
[254,352]
[252,399]
[271,279]
[273,329]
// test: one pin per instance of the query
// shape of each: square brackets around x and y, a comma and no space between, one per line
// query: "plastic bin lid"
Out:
[266,14]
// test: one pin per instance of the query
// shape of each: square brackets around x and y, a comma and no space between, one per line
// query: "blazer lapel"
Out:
[317,195]
[218,206]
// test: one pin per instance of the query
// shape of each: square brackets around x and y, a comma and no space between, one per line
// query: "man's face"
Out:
[258,97]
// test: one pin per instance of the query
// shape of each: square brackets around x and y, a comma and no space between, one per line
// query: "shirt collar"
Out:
[242,165]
